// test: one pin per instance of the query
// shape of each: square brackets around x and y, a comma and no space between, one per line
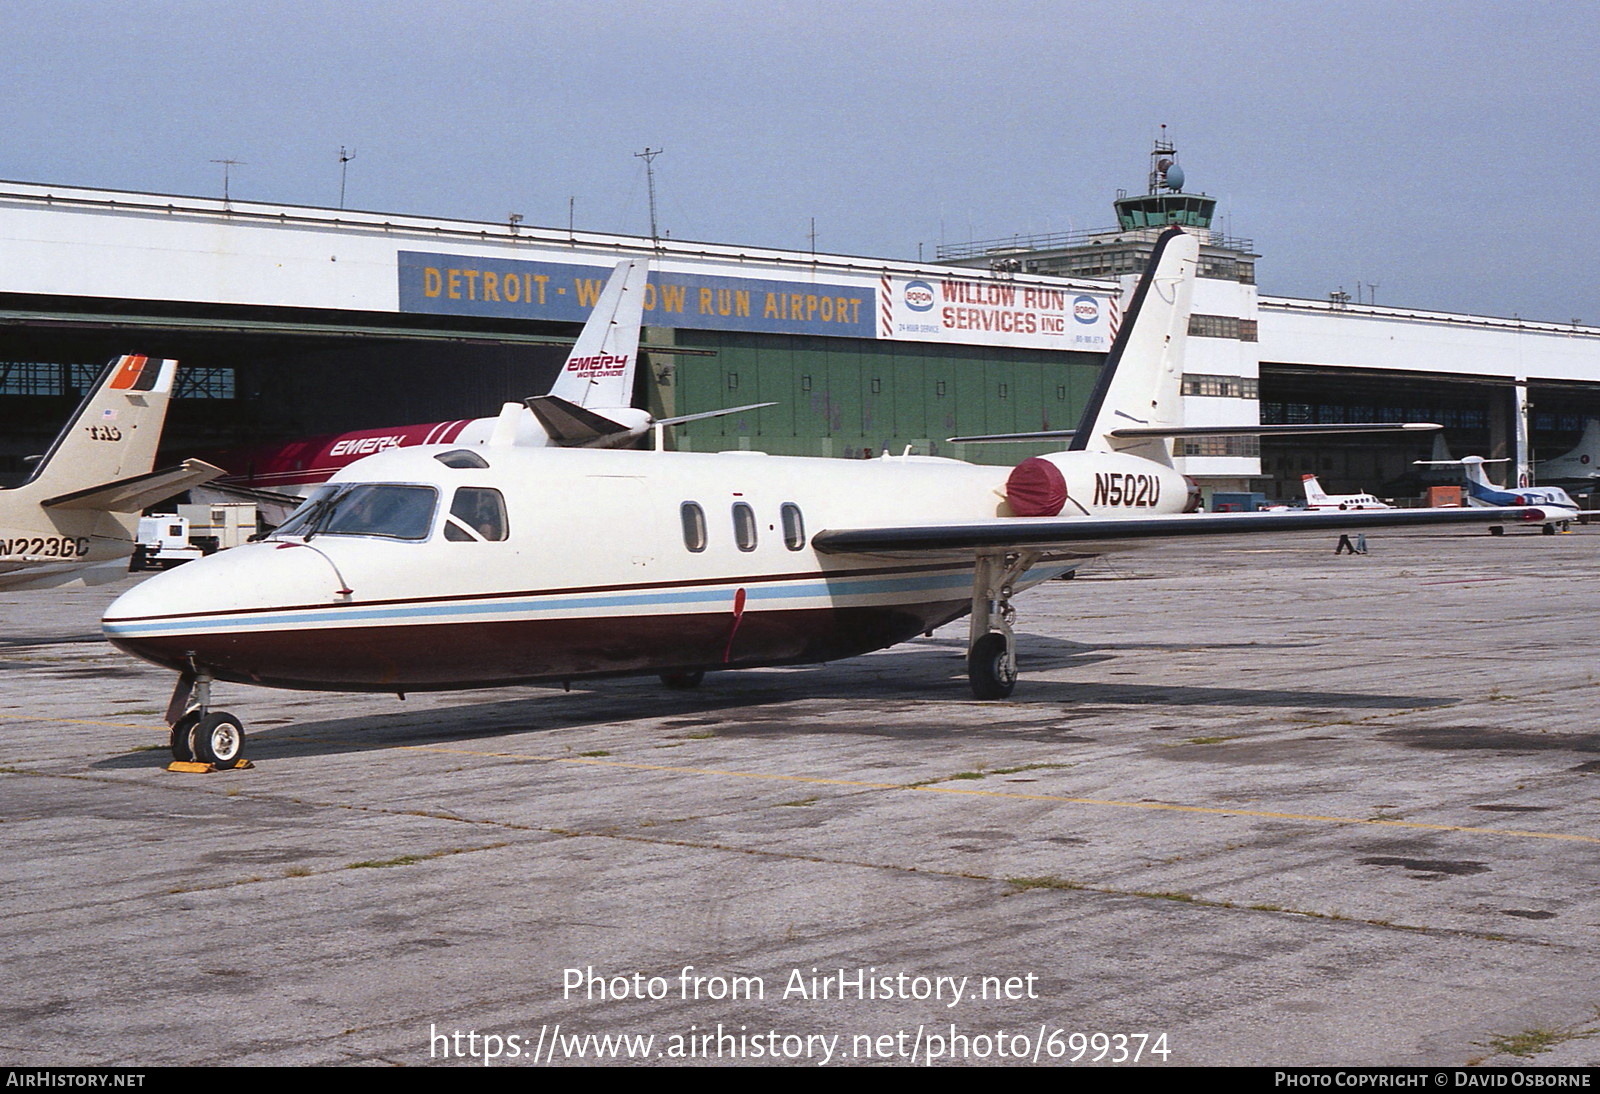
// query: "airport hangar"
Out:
[292,321]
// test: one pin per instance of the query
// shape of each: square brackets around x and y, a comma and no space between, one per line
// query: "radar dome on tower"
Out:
[1165,204]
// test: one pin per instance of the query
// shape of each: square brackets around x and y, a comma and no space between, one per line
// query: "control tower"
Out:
[1125,248]
[1221,384]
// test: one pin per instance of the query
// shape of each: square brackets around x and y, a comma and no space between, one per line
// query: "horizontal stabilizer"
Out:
[710,414]
[570,424]
[134,494]
[1002,438]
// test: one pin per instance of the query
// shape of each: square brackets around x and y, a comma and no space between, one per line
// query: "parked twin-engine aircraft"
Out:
[1317,498]
[588,406]
[74,519]
[439,566]
[1559,508]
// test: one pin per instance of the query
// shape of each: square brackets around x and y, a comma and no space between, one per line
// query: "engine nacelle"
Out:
[1097,483]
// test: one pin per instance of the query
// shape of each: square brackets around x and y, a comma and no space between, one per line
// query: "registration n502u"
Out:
[1124,489]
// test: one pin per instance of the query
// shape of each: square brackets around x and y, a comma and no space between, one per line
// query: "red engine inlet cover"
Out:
[1036,489]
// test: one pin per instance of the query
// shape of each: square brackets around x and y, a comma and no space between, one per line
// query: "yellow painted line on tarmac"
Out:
[1015,795]
[78,722]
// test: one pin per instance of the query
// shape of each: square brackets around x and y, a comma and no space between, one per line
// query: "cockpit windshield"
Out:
[364,509]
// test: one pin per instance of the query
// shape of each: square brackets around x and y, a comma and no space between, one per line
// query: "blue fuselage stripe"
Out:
[955,585]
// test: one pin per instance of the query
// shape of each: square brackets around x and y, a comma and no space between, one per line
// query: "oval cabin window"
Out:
[694,526]
[794,527]
[744,526]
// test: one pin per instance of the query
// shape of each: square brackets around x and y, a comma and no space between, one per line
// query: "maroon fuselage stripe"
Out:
[444,656]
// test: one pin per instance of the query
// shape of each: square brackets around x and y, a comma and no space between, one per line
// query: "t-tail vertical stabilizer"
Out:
[1141,385]
[591,402]
[599,370]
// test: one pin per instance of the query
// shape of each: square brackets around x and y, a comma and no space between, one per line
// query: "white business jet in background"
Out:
[440,566]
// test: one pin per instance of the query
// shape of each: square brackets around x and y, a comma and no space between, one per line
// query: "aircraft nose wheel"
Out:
[200,734]
[183,737]
[219,740]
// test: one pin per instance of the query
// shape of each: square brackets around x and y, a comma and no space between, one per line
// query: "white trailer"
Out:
[194,531]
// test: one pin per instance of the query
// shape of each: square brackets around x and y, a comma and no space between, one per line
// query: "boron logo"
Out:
[1085,309]
[919,296]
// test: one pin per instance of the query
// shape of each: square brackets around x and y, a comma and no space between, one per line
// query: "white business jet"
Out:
[590,405]
[439,566]
[74,520]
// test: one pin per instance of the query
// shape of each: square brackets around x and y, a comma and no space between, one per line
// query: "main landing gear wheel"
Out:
[991,648]
[990,669]
[182,737]
[218,740]
[682,681]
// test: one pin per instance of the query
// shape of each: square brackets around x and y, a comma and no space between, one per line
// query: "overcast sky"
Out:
[1443,151]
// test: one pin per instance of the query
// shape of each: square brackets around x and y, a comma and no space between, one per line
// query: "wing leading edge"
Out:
[1089,533]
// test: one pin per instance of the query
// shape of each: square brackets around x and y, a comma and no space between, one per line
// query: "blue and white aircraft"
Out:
[1559,508]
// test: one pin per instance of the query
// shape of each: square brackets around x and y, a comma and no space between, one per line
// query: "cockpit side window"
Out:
[478,513]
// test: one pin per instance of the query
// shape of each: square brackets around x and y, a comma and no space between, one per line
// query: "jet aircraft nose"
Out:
[213,612]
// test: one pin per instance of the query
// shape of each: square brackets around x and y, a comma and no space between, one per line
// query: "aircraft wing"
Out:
[1105,533]
[133,494]
[1124,433]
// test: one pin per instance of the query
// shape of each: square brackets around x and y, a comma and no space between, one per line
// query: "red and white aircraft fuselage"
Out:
[589,405]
